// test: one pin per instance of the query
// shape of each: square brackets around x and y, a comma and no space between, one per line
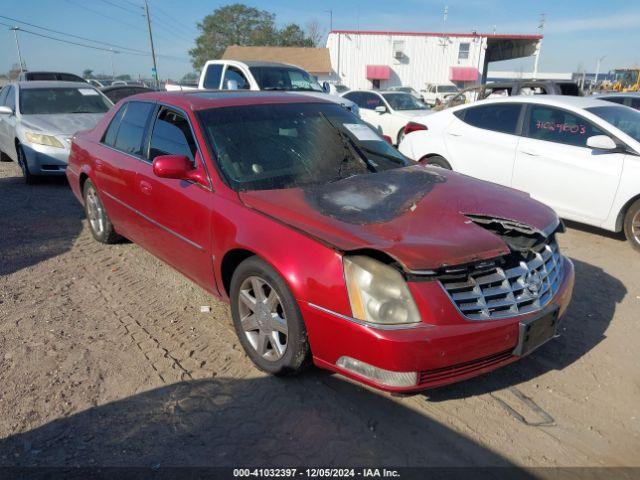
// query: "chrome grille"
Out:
[527,285]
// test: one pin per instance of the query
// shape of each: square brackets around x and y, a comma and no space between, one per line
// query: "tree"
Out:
[238,24]
[87,73]
[314,32]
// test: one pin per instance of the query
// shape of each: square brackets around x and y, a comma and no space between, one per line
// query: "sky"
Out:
[577,32]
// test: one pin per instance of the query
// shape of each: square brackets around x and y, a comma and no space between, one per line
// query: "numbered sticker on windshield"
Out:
[363,132]
[88,91]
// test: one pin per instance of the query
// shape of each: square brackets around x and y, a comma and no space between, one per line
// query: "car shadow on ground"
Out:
[265,421]
[595,230]
[595,297]
[37,222]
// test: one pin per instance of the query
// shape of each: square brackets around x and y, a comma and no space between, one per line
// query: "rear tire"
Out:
[267,319]
[29,179]
[632,225]
[436,161]
[99,222]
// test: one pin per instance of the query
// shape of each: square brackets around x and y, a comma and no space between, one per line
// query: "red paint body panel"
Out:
[193,227]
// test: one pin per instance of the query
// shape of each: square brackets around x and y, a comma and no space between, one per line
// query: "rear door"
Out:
[554,165]
[177,212]
[482,141]
[117,161]
[5,122]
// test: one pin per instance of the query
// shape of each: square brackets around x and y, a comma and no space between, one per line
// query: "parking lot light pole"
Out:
[22,64]
[595,80]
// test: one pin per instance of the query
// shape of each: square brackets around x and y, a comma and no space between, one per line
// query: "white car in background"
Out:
[579,155]
[387,111]
[438,93]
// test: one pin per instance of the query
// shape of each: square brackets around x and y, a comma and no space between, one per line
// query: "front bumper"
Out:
[445,348]
[45,160]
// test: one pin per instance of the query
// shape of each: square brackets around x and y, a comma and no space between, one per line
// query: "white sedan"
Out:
[387,111]
[579,155]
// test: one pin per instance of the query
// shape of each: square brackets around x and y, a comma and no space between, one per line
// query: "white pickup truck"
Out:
[257,75]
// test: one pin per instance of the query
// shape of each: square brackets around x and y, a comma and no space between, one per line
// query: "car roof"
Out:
[205,99]
[52,84]
[552,100]
[255,63]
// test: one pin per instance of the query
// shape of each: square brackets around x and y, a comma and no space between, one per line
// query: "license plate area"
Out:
[536,331]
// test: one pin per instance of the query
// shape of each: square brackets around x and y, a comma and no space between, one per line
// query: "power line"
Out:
[109,2]
[103,15]
[72,35]
[187,29]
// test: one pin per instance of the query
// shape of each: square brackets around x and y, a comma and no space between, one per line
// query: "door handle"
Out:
[455,134]
[145,187]
[531,154]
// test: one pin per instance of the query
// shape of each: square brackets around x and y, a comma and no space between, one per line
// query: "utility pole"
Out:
[153,52]
[543,19]
[113,70]
[595,81]
[330,12]
[22,64]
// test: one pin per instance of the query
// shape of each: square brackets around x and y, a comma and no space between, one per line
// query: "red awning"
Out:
[378,72]
[464,74]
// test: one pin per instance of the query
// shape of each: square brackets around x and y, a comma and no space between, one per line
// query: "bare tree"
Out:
[315,32]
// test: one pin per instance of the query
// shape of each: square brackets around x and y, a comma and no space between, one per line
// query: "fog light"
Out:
[378,375]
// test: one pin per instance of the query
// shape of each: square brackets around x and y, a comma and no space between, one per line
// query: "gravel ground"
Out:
[106,359]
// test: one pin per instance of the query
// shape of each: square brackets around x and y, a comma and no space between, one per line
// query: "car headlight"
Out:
[42,139]
[378,293]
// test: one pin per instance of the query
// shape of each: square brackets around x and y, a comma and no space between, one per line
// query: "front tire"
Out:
[267,319]
[99,222]
[29,179]
[632,225]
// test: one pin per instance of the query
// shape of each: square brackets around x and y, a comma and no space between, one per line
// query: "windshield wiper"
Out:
[350,147]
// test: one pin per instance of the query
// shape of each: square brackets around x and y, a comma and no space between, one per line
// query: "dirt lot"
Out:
[105,359]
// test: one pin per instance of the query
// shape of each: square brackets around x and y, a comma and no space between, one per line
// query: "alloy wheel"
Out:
[95,212]
[635,227]
[262,318]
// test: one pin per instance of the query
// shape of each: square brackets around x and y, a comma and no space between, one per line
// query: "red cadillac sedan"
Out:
[329,245]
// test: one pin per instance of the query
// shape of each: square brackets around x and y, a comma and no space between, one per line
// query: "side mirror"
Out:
[601,142]
[178,167]
[4,110]
[381,109]
[326,87]
[232,85]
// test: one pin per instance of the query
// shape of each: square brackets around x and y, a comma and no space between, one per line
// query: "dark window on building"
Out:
[132,127]
[498,117]
[463,51]
[555,125]
[172,136]
[212,77]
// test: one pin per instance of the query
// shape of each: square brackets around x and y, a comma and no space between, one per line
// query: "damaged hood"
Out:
[417,215]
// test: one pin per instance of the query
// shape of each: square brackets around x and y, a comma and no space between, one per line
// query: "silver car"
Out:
[38,119]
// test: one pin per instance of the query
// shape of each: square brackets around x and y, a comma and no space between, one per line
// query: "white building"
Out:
[375,59]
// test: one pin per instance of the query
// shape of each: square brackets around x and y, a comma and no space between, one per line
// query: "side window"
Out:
[172,136]
[11,99]
[355,97]
[555,125]
[635,103]
[112,131]
[3,94]
[497,117]
[212,76]
[132,126]
[233,73]
[370,101]
[463,51]
[619,100]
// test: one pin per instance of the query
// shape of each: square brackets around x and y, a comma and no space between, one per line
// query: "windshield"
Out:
[261,147]
[285,78]
[623,118]
[39,101]
[404,101]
